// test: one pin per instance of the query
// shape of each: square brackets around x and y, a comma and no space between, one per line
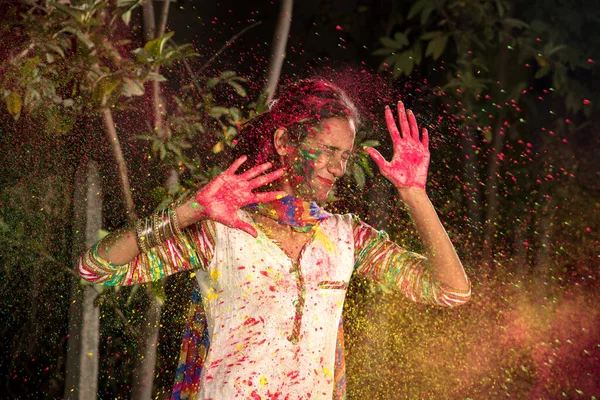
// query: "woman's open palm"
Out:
[410,161]
[222,197]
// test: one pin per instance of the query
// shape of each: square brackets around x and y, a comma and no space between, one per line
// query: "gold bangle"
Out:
[156,230]
[175,222]
[139,236]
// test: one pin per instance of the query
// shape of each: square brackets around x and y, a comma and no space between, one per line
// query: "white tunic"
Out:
[251,295]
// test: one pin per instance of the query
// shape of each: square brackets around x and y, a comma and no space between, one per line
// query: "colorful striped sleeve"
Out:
[191,250]
[394,268]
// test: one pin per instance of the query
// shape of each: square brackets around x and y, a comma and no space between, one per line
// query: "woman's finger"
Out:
[244,226]
[264,179]
[414,128]
[255,171]
[404,126]
[391,125]
[376,156]
[425,139]
[236,164]
[265,197]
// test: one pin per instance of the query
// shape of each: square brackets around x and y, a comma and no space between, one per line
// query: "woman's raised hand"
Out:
[409,164]
[222,197]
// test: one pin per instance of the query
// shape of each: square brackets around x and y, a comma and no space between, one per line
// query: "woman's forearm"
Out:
[121,247]
[447,268]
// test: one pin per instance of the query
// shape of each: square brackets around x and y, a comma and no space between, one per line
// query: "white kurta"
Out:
[251,293]
[258,302]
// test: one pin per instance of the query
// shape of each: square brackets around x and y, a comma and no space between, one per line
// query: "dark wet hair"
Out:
[300,105]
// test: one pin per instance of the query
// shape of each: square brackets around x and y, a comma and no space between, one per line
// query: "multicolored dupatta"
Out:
[298,214]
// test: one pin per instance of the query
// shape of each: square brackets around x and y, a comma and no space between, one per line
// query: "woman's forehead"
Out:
[333,131]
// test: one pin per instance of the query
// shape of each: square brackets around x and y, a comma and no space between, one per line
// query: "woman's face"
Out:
[313,166]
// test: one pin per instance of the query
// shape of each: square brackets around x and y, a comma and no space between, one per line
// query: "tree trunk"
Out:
[280,37]
[493,179]
[543,262]
[493,202]
[146,361]
[471,179]
[84,315]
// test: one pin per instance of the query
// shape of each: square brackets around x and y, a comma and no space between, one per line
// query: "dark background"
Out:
[522,211]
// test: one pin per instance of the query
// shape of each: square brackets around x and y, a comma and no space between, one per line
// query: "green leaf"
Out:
[387,63]
[32,96]
[82,36]
[218,112]
[238,88]
[431,35]
[416,8]
[554,50]
[401,39]
[142,56]
[132,88]
[436,47]
[359,176]
[389,43]
[426,13]
[542,71]
[227,75]
[234,112]
[417,52]
[76,14]
[155,47]
[515,23]
[29,69]
[370,143]
[383,52]
[104,88]
[212,82]
[126,17]
[154,76]
[55,48]
[403,64]
[184,51]
[230,133]
[14,103]
[500,8]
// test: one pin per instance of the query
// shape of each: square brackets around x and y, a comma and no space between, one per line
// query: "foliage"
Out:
[470,34]
[69,60]
[515,86]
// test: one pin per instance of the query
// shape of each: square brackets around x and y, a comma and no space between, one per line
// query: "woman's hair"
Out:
[301,105]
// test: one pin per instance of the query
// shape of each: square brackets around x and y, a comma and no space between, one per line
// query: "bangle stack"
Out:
[156,229]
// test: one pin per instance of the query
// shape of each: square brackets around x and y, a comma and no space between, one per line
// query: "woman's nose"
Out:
[337,166]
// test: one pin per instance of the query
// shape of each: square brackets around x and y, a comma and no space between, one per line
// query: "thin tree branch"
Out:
[157,99]
[280,37]
[148,20]
[115,145]
[222,49]
[164,15]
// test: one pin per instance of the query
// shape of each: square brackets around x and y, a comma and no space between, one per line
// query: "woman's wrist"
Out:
[189,213]
[412,196]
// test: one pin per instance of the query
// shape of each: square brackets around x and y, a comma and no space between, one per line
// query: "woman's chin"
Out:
[311,195]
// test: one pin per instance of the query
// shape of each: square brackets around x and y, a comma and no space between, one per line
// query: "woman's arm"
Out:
[441,255]
[218,201]
[408,173]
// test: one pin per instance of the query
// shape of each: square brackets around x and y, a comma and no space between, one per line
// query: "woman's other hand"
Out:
[222,197]
[410,161]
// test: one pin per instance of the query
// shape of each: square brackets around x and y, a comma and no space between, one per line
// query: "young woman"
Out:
[272,267]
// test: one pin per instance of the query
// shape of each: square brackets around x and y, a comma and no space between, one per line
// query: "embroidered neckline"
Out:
[298,214]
